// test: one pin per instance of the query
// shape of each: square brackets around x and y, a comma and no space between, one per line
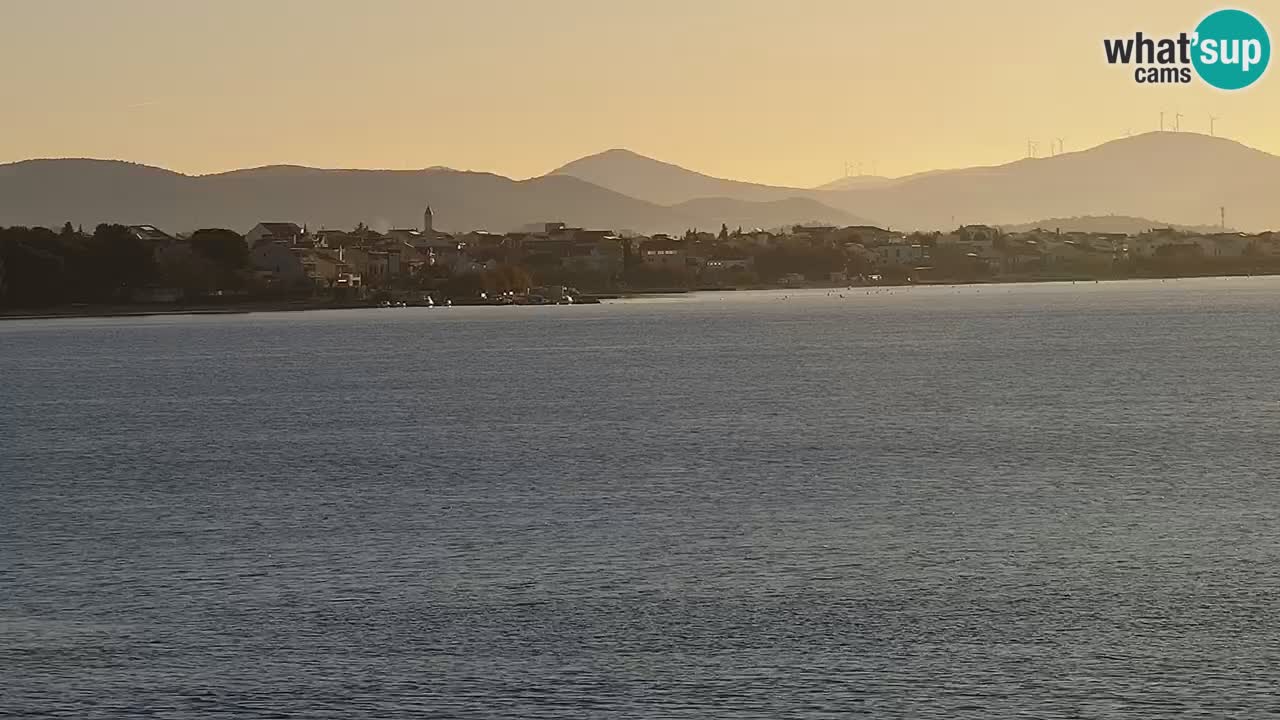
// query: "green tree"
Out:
[226,253]
[189,271]
[123,262]
[34,268]
[223,247]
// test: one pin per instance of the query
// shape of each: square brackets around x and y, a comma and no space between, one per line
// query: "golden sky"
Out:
[776,91]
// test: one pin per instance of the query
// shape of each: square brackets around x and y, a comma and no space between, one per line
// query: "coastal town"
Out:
[556,263]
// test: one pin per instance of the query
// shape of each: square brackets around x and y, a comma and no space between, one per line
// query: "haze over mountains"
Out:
[1181,178]
[50,192]
[658,182]
[1168,178]
[1108,224]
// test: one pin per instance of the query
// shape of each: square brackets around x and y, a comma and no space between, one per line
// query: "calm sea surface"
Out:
[1050,501]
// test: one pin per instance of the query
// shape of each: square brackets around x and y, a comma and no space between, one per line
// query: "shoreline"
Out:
[137,311]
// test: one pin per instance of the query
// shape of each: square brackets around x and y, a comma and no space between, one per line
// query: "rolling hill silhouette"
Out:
[1126,224]
[658,182]
[1172,178]
[50,192]
[856,181]
[1178,178]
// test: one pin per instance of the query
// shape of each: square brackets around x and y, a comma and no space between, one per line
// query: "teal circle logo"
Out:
[1232,49]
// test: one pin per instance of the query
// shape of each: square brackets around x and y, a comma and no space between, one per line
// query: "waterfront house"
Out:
[661,251]
[900,254]
[412,236]
[279,261]
[277,232]
[334,239]
[165,248]
[1145,246]
[867,235]
[327,269]
[356,259]
[1266,244]
[150,234]
[1227,245]
[1066,252]
[603,255]
[482,239]
[815,234]
[1023,257]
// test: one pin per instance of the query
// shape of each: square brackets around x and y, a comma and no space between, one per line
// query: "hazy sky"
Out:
[767,90]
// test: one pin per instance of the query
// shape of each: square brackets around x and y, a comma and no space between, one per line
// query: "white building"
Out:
[899,254]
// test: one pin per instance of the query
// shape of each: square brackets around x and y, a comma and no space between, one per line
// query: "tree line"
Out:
[40,267]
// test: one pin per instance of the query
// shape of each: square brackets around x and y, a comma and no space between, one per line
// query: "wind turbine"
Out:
[1061,146]
[1212,120]
[1161,121]
[1177,122]
[1035,147]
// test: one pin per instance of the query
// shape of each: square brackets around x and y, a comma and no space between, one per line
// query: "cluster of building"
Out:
[364,257]
[1044,250]
[286,253]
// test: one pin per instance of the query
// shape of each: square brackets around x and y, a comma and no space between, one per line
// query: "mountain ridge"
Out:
[1126,224]
[1182,178]
[664,183]
[88,191]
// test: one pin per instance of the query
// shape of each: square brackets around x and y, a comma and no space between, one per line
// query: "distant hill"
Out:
[1107,224]
[50,192]
[1181,178]
[647,179]
[749,215]
[858,182]
[855,181]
